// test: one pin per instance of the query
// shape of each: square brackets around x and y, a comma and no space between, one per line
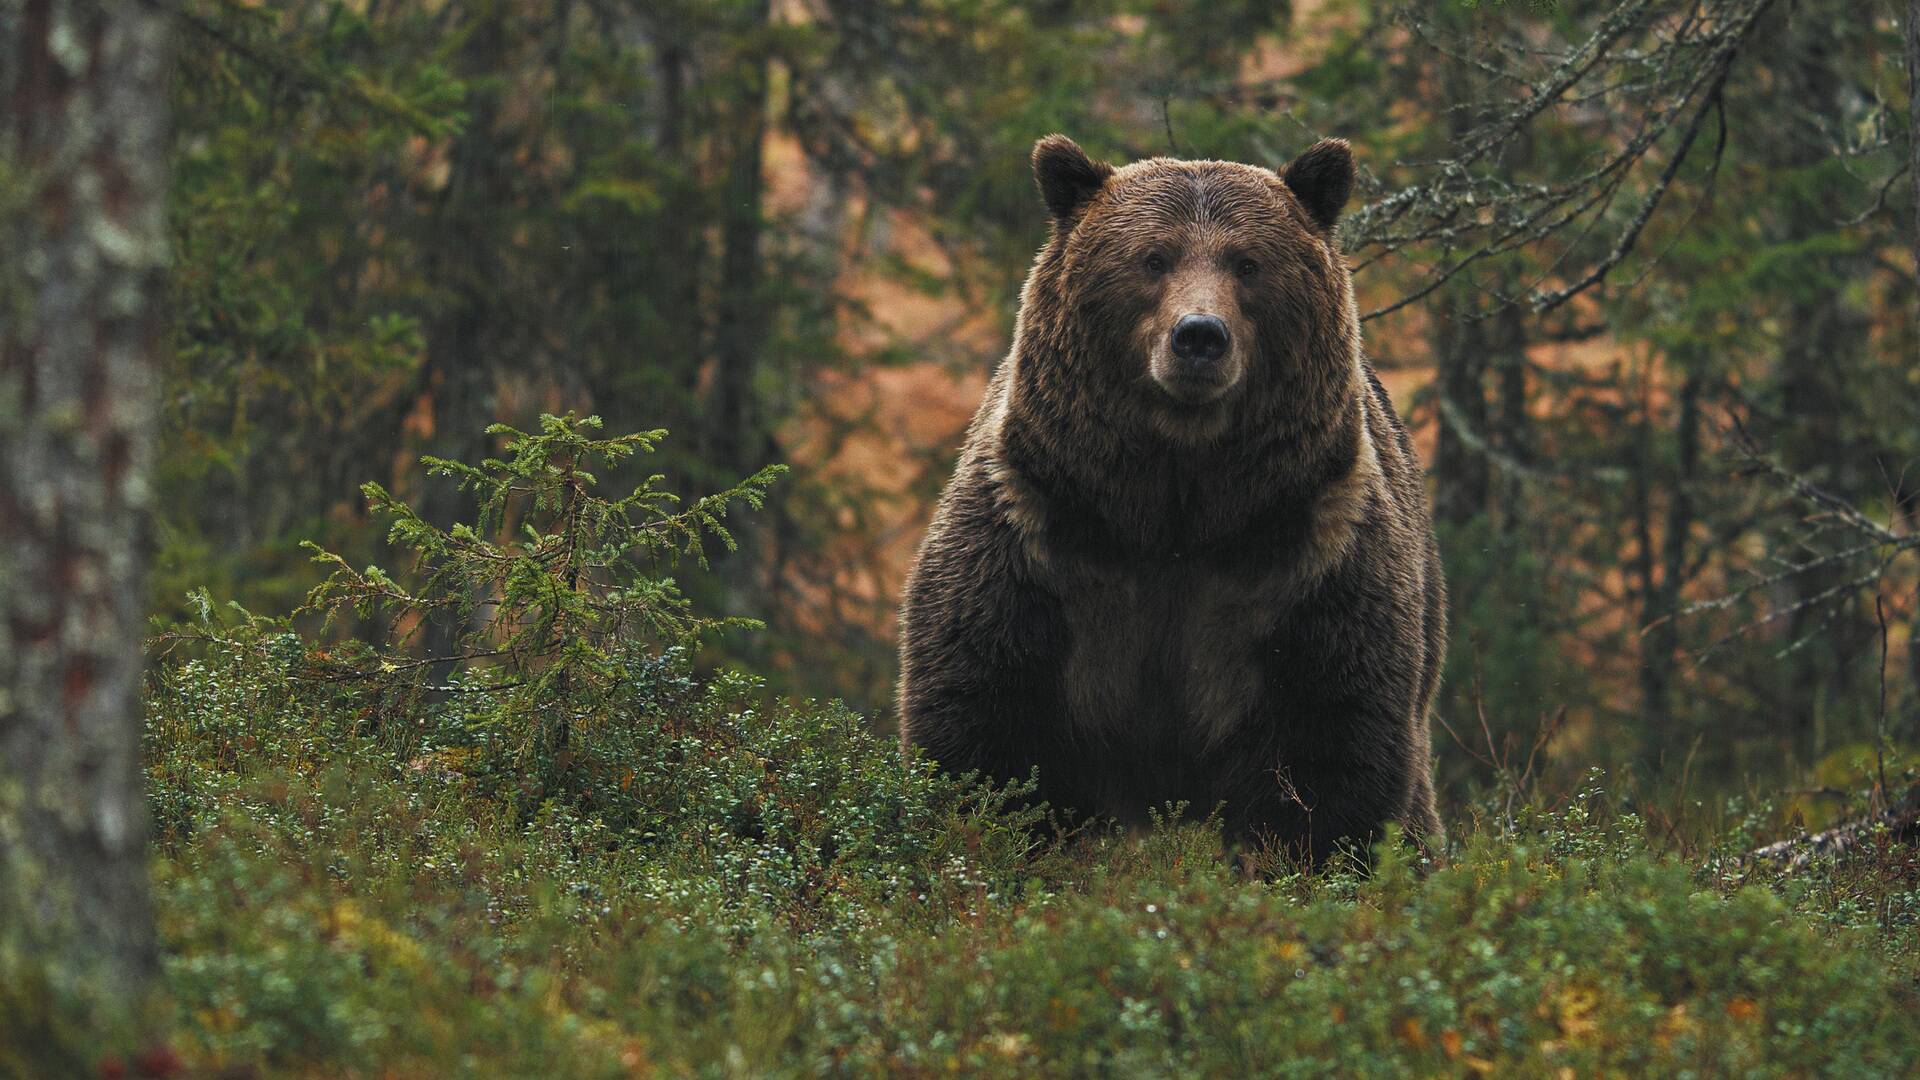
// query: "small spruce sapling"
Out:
[552,593]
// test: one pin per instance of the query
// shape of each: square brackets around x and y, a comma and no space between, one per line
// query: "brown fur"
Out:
[1223,593]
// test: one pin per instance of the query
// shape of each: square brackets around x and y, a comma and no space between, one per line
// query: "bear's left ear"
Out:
[1321,179]
[1068,178]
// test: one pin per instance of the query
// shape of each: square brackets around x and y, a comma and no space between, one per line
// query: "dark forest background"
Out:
[1626,267]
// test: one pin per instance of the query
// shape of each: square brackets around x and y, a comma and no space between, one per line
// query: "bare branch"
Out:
[1662,72]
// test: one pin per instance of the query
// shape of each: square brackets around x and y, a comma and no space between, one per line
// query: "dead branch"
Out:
[1662,72]
[1902,825]
[1871,548]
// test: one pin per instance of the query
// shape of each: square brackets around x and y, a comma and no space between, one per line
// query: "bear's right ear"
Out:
[1068,178]
[1322,178]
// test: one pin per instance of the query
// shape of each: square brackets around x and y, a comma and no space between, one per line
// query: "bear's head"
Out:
[1187,300]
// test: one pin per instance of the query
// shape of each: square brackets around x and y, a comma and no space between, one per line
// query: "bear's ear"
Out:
[1321,179]
[1068,178]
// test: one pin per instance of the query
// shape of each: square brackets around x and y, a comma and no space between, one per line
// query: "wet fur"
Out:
[1234,605]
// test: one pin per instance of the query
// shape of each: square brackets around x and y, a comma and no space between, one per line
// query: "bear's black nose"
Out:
[1200,339]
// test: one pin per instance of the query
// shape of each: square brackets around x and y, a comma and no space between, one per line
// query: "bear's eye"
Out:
[1246,268]
[1156,263]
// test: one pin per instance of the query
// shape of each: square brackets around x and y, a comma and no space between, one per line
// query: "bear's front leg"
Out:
[1315,805]
[980,657]
[1339,748]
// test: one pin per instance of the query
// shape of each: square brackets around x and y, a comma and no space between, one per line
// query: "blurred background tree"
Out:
[1595,237]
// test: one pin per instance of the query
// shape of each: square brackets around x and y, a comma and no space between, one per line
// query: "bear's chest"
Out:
[1166,658]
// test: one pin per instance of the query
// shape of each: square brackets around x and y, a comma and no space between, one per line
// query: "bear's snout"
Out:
[1193,330]
[1197,360]
[1199,341]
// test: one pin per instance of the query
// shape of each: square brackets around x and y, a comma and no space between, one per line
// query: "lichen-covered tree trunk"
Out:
[83,96]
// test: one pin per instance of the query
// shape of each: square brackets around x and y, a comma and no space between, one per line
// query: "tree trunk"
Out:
[738,432]
[733,417]
[1460,474]
[82,224]
[682,328]
[1512,427]
[1653,674]
[1823,336]
[1660,643]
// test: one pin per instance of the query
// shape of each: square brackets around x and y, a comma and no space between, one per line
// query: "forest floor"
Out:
[738,889]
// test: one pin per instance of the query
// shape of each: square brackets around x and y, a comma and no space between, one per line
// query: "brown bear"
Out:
[1186,555]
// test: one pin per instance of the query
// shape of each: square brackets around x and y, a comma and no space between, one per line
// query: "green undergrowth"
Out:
[775,893]
[562,852]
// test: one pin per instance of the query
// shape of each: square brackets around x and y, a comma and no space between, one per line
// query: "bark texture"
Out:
[83,96]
